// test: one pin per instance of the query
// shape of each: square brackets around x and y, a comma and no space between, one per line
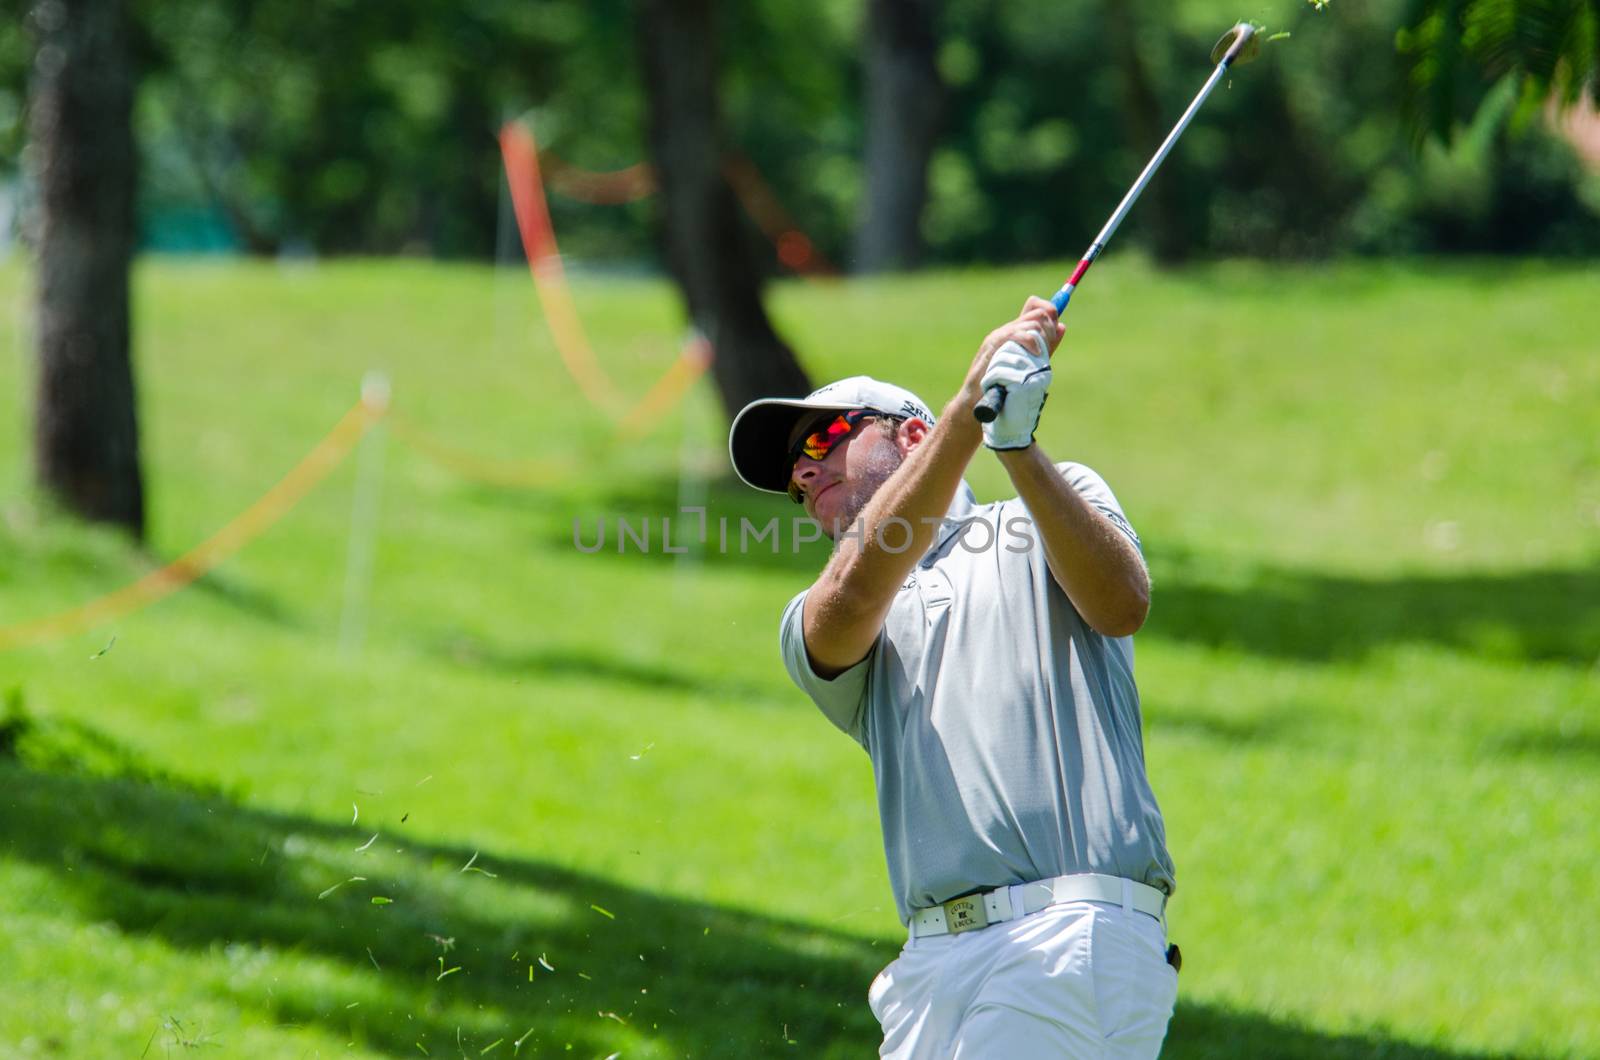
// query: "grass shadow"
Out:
[451,959]
[1207,1032]
[88,553]
[251,600]
[740,527]
[478,653]
[1166,718]
[468,949]
[1568,742]
[1533,616]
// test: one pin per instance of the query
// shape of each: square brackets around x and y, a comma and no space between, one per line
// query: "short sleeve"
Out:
[843,699]
[1092,488]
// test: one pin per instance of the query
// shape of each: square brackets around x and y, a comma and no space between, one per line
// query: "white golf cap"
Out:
[758,442]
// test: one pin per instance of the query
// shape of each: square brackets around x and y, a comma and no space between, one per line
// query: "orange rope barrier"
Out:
[795,249]
[669,389]
[515,473]
[521,155]
[600,189]
[334,447]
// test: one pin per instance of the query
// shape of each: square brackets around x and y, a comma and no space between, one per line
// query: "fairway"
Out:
[536,802]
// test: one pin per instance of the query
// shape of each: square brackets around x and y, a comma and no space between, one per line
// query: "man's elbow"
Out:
[832,651]
[1127,616]
[839,630]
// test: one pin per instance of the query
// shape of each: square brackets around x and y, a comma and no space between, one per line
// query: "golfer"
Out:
[981,656]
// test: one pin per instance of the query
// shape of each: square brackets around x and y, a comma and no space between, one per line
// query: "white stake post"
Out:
[363,523]
[695,456]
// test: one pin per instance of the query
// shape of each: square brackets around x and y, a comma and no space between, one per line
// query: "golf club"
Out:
[1239,45]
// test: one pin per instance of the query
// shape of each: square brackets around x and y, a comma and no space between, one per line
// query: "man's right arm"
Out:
[845,609]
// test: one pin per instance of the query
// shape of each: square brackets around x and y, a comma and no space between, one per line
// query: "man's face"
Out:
[836,488]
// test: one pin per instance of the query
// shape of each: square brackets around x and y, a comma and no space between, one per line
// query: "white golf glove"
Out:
[1024,376]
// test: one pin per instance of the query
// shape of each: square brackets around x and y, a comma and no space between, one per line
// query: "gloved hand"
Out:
[1024,375]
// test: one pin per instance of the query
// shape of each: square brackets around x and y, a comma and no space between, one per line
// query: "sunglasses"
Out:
[818,444]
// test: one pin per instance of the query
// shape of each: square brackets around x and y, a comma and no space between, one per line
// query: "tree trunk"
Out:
[707,247]
[81,126]
[904,112]
[1142,117]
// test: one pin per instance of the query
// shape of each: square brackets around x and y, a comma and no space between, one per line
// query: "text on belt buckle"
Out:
[965,914]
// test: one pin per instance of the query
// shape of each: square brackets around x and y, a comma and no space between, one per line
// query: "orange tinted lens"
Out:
[820,444]
[817,446]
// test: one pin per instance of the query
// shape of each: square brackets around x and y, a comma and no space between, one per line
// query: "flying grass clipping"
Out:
[1318,6]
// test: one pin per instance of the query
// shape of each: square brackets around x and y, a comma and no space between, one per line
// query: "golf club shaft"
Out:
[994,400]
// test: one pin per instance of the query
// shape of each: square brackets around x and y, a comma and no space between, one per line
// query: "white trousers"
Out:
[1078,980]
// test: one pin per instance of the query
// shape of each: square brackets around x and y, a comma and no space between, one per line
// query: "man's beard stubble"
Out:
[886,460]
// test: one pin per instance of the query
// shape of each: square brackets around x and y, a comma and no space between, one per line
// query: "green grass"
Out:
[1370,496]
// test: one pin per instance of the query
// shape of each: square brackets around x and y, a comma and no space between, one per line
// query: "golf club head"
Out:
[1244,36]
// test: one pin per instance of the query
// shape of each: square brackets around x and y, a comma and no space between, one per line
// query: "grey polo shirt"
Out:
[1004,733]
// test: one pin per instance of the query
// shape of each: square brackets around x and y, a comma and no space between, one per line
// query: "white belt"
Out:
[1007,903]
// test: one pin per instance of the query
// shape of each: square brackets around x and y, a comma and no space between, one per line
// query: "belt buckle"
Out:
[965,914]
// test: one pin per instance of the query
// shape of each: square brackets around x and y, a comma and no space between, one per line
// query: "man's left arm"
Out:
[1093,561]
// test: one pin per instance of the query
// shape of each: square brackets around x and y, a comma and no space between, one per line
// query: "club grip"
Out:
[989,408]
[994,399]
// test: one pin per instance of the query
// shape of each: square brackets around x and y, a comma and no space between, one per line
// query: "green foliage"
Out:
[1549,50]
[14,56]
[369,128]
[354,127]
[791,91]
[1489,187]
[1370,497]
[1302,154]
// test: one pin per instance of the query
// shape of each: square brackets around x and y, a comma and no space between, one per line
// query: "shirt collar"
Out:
[962,506]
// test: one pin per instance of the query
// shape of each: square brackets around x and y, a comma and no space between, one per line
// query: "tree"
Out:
[86,428]
[1143,118]
[708,248]
[905,106]
[1549,49]
[341,128]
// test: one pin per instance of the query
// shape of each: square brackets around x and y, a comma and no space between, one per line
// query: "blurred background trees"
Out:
[904,108]
[708,248]
[366,128]
[1545,52]
[272,127]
